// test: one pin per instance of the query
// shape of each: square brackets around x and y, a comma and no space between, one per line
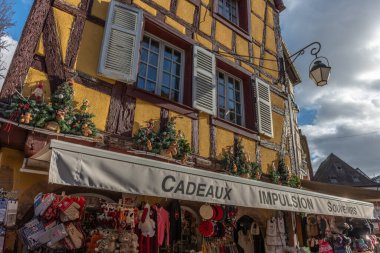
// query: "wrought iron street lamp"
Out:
[319,69]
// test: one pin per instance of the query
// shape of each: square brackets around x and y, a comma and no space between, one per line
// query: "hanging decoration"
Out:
[58,115]
[237,162]
[166,142]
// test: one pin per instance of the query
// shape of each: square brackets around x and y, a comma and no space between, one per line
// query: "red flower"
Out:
[27,106]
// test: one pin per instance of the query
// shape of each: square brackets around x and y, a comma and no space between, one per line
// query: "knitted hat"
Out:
[206,212]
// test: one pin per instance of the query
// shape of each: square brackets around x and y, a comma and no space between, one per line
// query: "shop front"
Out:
[167,207]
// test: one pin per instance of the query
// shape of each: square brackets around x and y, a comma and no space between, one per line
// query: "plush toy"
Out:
[108,243]
[38,92]
[60,115]
[26,118]
[53,126]
[86,131]
[146,224]
[85,105]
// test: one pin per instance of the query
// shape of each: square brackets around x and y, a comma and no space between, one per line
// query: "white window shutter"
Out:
[121,42]
[264,108]
[204,85]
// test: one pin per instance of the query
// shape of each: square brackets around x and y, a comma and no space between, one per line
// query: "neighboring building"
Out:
[334,170]
[376,179]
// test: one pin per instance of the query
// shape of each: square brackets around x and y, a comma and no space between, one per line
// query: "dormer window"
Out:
[333,179]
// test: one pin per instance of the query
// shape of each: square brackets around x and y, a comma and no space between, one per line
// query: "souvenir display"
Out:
[8,215]
[275,240]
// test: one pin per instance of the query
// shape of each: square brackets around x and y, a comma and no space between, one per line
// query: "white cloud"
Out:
[347,121]
[6,55]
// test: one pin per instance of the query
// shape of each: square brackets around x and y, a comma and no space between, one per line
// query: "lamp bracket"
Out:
[313,51]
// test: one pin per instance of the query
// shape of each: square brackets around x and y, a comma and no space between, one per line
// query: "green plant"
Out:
[183,148]
[274,176]
[235,160]
[294,181]
[283,171]
[256,170]
[145,137]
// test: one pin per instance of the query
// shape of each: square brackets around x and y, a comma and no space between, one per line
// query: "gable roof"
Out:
[334,170]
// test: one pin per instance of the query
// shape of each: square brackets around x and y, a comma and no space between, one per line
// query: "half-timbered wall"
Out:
[66,37]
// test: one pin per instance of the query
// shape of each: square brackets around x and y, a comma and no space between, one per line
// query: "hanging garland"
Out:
[59,115]
[166,142]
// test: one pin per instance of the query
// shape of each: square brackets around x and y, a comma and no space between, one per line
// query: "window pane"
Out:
[144,55]
[230,94]
[238,120]
[151,86]
[175,83]
[221,89]
[221,102]
[165,92]
[231,105]
[177,56]
[176,69]
[238,107]
[167,65]
[140,83]
[152,73]
[154,46]
[166,80]
[145,42]
[237,85]
[168,53]
[153,59]
[142,69]
[221,113]
[232,116]
[175,96]
[237,96]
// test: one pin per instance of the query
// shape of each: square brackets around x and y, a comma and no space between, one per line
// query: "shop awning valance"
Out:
[77,165]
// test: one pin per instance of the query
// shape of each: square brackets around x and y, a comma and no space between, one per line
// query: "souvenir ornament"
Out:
[206,212]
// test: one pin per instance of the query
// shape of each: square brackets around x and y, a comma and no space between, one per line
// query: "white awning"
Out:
[77,165]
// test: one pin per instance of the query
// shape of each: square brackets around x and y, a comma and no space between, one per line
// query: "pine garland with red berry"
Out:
[59,115]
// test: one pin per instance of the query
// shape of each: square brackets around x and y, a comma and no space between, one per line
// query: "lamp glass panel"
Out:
[316,75]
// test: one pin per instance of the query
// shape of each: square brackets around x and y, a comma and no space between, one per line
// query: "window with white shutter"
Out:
[264,108]
[204,85]
[121,42]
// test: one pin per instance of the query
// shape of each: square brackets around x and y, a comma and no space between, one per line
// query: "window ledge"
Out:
[235,128]
[162,102]
[236,28]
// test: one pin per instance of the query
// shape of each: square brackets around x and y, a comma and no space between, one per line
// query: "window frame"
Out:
[236,3]
[243,28]
[242,94]
[160,70]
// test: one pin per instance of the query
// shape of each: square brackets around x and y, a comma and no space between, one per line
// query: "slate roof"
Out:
[376,179]
[334,170]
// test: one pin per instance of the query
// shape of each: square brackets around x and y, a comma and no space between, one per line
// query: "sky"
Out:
[343,117]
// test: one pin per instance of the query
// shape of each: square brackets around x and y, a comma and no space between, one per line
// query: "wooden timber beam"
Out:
[53,57]
[23,56]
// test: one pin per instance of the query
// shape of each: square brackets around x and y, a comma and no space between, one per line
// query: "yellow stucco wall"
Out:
[89,50]
[278,122]
[270,20]
[63,22]
[184,124]
[100,8]
[249,147]
[203,41]
[204,135]
[241,46]
[99,104]
[267,157]
[73,2]
[40,47]
[205,21]
[224,138]
[223,35]
[271,40]
[31,80]
[175,24]
[144,112]
[185,10]
[258,7]
[257,28]
[163,3]
[277,100]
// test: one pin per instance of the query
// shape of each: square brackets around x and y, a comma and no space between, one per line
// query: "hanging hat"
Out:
[220,213]
[214,212]
[206,228]
[206,212]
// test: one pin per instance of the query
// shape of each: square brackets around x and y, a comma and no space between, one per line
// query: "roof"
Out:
[291,70]
[334,170]
[376,179]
